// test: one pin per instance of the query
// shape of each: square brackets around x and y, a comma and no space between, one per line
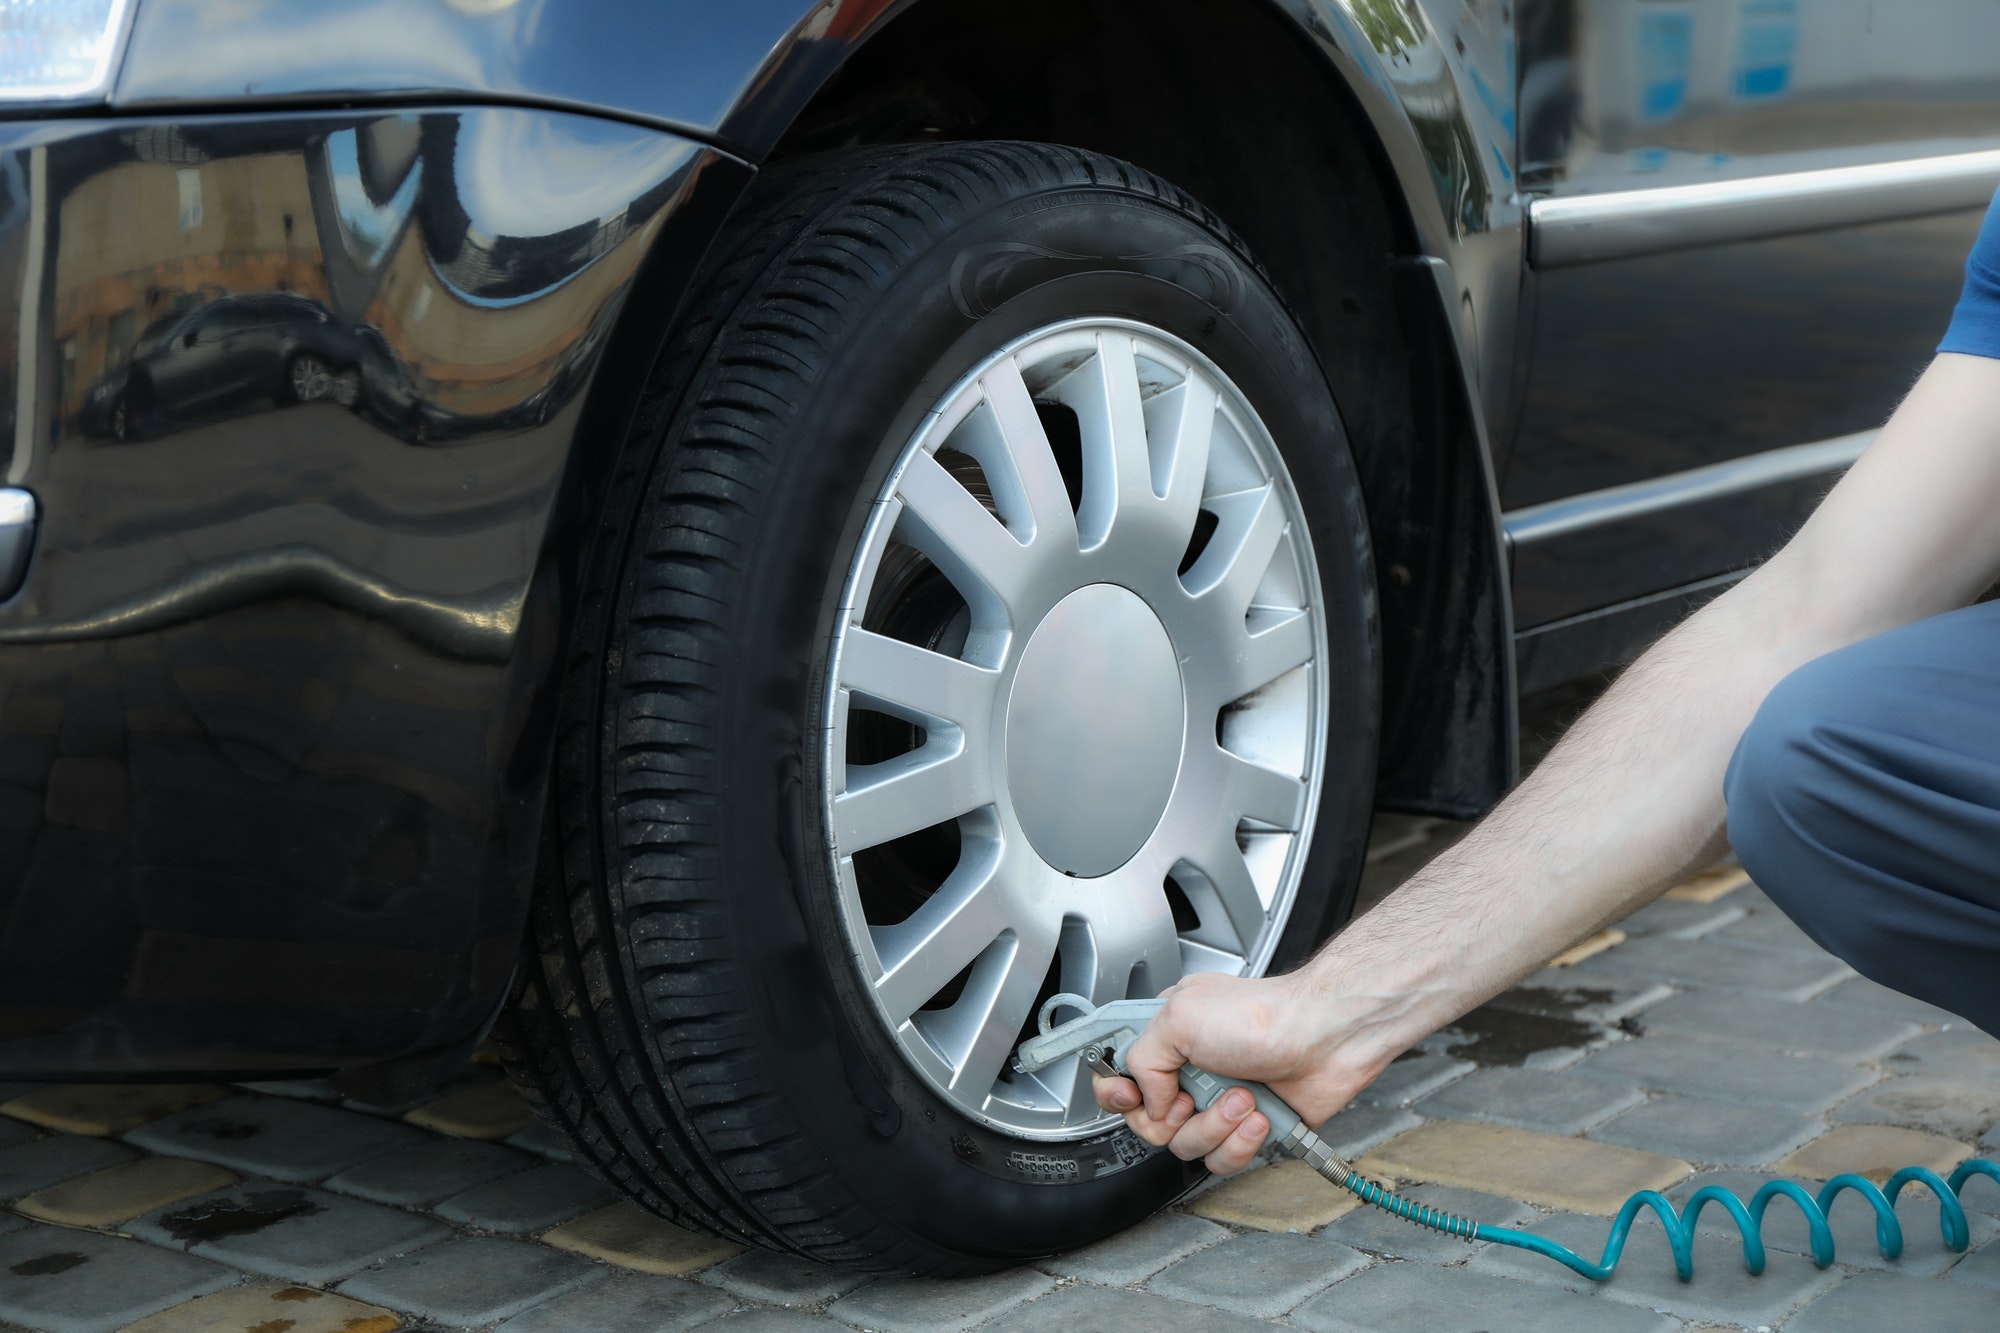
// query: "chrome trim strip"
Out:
[1615,504]
[1628,223]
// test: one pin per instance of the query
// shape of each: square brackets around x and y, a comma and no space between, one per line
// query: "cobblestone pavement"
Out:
[1704,1040]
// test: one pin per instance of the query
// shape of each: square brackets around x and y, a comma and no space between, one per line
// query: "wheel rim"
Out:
[309,379]
[1077,713]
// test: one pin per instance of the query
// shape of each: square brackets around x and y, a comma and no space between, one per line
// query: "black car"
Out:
[868,515]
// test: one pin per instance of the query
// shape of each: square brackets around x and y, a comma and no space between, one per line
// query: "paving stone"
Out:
[1843,1034]
[1955,1108]
[782,1279]
[1713,884]
[28,1167]
[1377,1232]
[1284,1196]
[1585,999]
[773,1321]
[1852,1223]
[1981,1268]
[1681,919]
[1263,1275]
[1964,1053]
[432,1170]
[623,1304]
[1410,1077]
[1876,1301]
[285,1231]
[1770,928]
[927,1305]
[625,1234]
[1755,1078]
[1719,965]
[1354,1131]
[108,1109]
[1700,1130]
[9,1091]
[492,1110]
[275,1137]
[528,1200]
[119,1193]
[1589,948]
[1131,1256]
[13,1132]
[1874,1151]
[1522,1164]
[270,1307]
[1721,1291]
[1086,1309]
[1861,993]
[1531,1099]
[545,1142]
[305,1089]
[1451,1300]
[65,1281]
[472,1280]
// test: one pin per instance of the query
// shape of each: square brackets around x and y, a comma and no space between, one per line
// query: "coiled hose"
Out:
[1680,1226]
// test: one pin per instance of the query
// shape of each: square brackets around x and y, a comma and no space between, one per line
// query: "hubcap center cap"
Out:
[1094,728]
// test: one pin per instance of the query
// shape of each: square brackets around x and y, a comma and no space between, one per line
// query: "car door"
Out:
[1748,224]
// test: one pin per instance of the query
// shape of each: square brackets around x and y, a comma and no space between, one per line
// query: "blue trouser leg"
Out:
[1865,800]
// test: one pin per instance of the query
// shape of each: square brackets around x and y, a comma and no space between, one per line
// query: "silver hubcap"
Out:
[1077,719]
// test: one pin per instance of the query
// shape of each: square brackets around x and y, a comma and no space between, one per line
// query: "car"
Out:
[857,518]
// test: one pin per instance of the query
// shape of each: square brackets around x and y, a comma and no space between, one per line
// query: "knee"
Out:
[1784,783]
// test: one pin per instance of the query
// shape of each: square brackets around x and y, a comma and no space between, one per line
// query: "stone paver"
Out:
[1981,1268]
[107,1109]
[13,1132]
[1681,919]
[1716,964]
[1284,1196]
[1876,1301]
[1706,1069]
[1449,1300]
[275,1137]
[1956,1108]
[472,1280]
[270,1307]
[1521,1164]
[1411,1077]
[1715,884]
[28,1167]
[288,1232]
[491,1110]
[1721,1291]
[1723,1133]
[1135,1254]
[921,1305]
[528,1200]
[544,1142]
[1531,1099]
[1771,929]
[66,1281]
[625,1234]
[623,1305]
[1262,1275]
[781,1279]
[430,1171]
[1840,1034]
[1086,1309]
[1861,993]
[1874,1151]
[754,1320]
[1360,1127]
[1963,1052]
[119,1193]
[1377,1232]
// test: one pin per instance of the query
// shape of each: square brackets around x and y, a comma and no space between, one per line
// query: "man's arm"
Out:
[1629,803]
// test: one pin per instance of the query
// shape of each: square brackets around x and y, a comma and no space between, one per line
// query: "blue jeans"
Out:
[1865,800]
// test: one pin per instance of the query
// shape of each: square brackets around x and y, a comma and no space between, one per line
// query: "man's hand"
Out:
[1268,1030]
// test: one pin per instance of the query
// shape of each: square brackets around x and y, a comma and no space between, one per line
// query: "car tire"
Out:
[700,1006]
[307,378]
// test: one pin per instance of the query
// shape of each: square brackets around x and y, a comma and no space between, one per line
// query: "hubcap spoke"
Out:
[1117,468]
[955,925]
[900,796]
[985,1024]
[1264,656]
[1252,791]
[1187,467]
[1024,476]
[919,685]
[1221,866]
[962,538]
[1249,525]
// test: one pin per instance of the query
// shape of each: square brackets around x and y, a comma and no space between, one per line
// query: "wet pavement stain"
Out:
[1503,1037]
[47,1265]
[229,1217]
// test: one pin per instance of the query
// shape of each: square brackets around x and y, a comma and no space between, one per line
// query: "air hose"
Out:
[1101,1035]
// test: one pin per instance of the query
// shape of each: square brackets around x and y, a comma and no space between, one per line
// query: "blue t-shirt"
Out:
[1975,325]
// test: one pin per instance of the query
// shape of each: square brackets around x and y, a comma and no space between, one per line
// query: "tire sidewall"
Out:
[950,1183]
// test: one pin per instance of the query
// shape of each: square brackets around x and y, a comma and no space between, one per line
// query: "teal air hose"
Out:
[1099,1037]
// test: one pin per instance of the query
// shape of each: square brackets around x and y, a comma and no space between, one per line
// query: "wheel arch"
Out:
[1363,224]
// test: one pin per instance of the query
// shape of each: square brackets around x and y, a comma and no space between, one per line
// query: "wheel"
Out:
[308,378]
[987,611]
